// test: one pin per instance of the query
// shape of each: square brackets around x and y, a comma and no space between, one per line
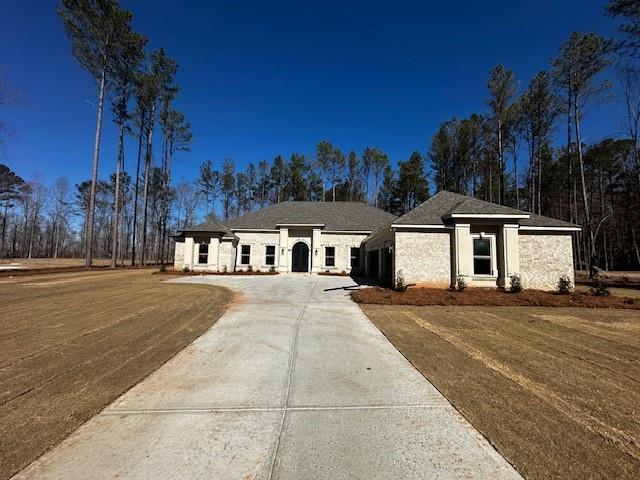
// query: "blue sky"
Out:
[260,79]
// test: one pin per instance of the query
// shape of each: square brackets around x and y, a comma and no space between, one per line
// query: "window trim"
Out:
[242,254]
[352,256]
[200,254]
[329,256]
[267,255]
[492,254]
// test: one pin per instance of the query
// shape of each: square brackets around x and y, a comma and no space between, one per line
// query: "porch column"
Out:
[316,263]
[214,244]
[462,254]
[188,252]
[510,253]
[283,253]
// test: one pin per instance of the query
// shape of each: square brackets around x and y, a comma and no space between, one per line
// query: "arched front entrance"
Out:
[300,257]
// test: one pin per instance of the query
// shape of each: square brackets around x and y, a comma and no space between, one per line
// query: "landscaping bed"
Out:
[489,297]
[190,273]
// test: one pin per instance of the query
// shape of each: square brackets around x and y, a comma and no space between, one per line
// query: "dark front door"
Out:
[300,258]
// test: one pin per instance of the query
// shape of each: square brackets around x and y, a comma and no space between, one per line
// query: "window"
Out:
[203,253]
[245,254]
[270,255]
[330,256]
[355,257]
[482,256]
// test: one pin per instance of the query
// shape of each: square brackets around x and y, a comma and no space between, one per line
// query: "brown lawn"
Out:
[555,390]
[70,343]
[492,297]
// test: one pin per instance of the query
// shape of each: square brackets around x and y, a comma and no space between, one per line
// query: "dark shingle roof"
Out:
[210,226]
[443,204]
[541,221]
[344,216]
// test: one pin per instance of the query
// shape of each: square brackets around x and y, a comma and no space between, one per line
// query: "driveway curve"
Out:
[292,382]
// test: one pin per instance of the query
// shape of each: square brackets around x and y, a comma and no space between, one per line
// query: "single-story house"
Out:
[448,236]
[285,237]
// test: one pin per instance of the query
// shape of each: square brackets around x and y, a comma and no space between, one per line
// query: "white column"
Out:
[510,251]
[316,245]
[214,244]
[188,252]
[463,252]
[283,253]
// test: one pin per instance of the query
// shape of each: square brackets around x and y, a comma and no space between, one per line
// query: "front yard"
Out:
[555,390]
[70,343]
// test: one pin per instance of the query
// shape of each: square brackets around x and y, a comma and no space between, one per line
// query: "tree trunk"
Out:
[500,165]
[135,195]
[147,170]
[94,177]
[116,200]
[589,241]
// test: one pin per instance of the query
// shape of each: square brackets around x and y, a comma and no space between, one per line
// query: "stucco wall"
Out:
[544,258]
[258,242]
[342,242]
[424,257]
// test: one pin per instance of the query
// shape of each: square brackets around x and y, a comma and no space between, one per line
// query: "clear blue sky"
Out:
[262,78]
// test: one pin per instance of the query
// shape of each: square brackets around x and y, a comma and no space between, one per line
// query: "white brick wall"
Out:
[258,242]
[342,243]
[424,257]
[544,258]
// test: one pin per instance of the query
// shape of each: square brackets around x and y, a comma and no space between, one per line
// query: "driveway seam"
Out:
[313,408]
[292,357]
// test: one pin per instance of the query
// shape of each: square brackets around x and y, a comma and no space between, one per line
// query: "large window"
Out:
[482,261]
[245,254]
[355,257]
[203,253]
[330,256]
[270,255]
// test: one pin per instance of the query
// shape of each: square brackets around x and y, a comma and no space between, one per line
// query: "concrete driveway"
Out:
[293,382]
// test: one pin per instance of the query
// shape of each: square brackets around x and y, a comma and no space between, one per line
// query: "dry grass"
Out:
[38,263]
[489,297]
[70,343]
[556,391]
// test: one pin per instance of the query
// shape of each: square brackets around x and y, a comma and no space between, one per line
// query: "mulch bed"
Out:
[334,274]
[489,297]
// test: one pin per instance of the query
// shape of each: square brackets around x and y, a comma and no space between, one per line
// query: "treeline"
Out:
[596,186]
[328,176]
[508,154]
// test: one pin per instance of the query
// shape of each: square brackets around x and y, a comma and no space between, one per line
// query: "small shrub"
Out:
[163,268]
[250,268]
[401,285]
[343,272]
[272,269]
[185,269]
[599,288]
[461,283]
[515,283]
[565,285]
[224,269]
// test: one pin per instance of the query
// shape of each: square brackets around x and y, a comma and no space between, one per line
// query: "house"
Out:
[286,237]
[448,236]
[452,235]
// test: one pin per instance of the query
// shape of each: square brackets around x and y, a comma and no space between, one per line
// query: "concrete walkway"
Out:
[293,382]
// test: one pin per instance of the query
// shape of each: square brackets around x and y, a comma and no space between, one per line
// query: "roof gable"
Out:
[444,205]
